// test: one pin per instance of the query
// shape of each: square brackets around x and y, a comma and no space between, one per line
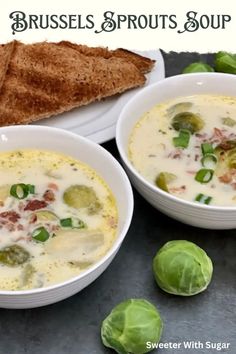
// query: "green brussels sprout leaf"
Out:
[225,62]
[197,68]
[130,325]
[182,268]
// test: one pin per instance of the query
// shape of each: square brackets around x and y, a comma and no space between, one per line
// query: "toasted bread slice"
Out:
[145,65]
[44,79]
[5,56]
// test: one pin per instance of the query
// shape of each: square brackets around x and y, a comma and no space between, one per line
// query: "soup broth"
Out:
[57,218]
[187,147]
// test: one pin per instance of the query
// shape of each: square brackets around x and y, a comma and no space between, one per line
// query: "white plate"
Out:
[97,121]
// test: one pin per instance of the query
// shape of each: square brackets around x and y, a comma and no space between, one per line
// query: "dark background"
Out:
[73,325]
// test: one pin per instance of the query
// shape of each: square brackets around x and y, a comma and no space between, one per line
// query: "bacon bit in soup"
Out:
[10,227]
[180,190]
[226,178]
[218,136]
[201,135]
[218,133]
[49,196]
[23,238]
[33,218]
[55,228]
[176,154]
[35,205]
[20,227]
[191,172]
[53,186]
[227,145]
[11,216]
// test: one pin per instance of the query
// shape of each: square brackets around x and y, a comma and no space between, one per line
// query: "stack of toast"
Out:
[44,79]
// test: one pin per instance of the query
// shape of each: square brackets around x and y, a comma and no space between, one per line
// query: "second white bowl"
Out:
[205,216]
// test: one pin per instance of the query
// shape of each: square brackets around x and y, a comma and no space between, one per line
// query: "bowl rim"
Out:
[122,150]
[120,236]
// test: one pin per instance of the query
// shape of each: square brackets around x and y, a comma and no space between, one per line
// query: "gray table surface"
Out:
[73,325]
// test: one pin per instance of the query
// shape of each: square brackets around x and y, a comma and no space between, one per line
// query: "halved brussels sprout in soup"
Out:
[188,121]
[45,215]
[13,255]
[187,147]
[164,179]
[83,245]
[52,225]
[81,196]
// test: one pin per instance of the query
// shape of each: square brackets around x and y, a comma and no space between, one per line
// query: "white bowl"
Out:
[205,216]
[19,137]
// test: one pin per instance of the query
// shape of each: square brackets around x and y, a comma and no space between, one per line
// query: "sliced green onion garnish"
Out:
[72,222]
[204,175]
[19,191]
[66,222]
[40,234]
[209,160]
[183,139]
[207,148]
[31,188]
[202,198]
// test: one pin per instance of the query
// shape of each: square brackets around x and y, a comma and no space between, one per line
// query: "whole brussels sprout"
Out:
[130,325]
[225,62]
[182,268]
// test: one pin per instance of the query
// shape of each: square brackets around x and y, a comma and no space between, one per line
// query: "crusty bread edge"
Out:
[144,64]
[74,106]
[8,48]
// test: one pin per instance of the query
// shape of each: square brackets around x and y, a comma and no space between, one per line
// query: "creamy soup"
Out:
[187,147]
[57,218]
